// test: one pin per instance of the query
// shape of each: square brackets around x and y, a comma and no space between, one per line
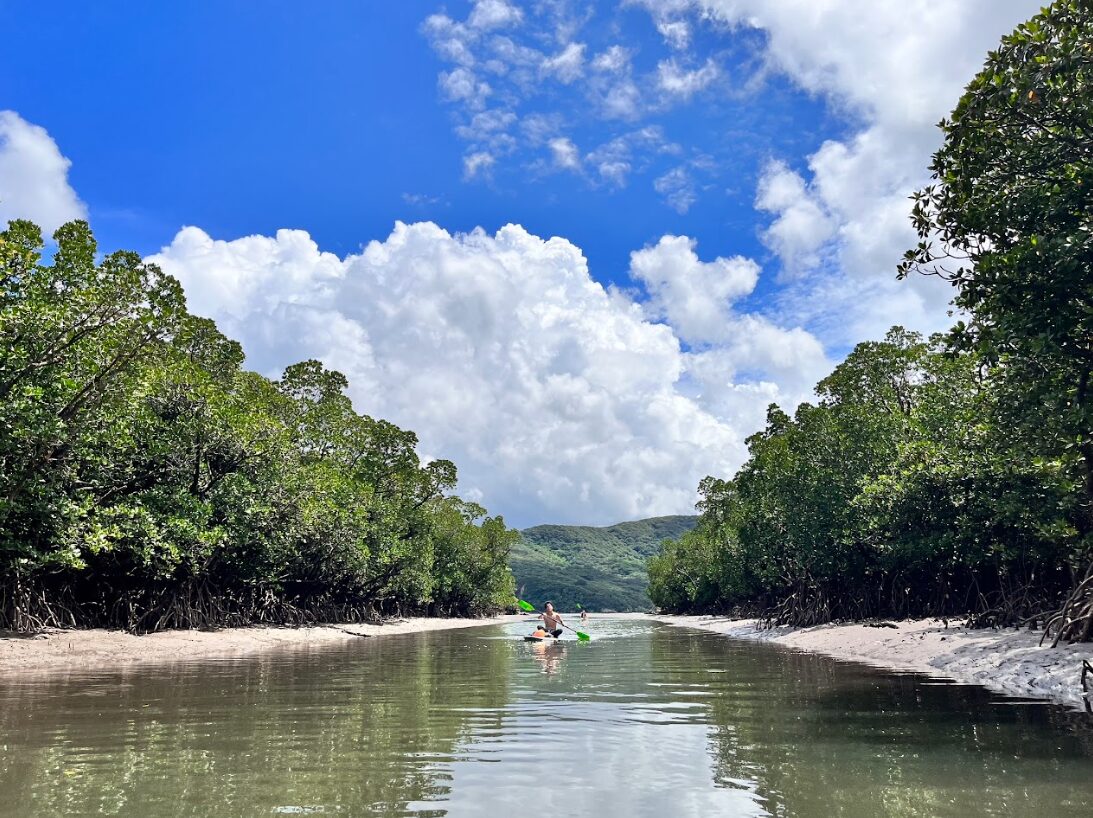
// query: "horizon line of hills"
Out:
[595,568]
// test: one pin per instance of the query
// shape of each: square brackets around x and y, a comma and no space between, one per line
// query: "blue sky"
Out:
[331,118]
[728,181]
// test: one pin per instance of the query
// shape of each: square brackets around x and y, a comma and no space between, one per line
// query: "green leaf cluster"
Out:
[148,480]
[957,475]
[1009,222]
[900,492]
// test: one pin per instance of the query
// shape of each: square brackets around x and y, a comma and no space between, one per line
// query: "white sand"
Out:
[57,650]
[1008,661]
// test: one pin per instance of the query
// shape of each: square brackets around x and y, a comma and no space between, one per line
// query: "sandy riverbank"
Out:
[1010,662]
[94,649]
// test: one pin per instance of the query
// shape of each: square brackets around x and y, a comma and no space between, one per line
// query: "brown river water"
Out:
[645,720]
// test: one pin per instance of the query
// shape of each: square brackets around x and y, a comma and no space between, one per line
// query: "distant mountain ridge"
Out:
[599,568]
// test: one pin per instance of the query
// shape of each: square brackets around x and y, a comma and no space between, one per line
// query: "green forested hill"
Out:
[601,569]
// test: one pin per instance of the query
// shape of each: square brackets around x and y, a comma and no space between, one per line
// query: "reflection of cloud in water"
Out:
[569,769]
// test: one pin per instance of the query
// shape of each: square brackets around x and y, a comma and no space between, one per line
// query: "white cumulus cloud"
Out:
[694,296]
[559,400]
[801,226]
[612,60]
[490,14]
[462,85]
[739,360]
[677,81]
[678,189]
[677,33]
[34,176]
[567,65]
[897,68]
[565,153]
[477,164]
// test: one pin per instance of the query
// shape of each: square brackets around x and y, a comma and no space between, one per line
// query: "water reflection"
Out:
[549,655]
[821,737]
[371,725]
[644,720]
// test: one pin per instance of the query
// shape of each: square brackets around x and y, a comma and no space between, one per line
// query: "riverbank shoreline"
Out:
[97,649]
[1005,661]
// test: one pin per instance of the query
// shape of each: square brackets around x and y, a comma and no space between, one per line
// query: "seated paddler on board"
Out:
[552,620]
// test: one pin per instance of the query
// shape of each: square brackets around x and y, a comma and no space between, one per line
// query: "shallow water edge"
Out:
[1011,662]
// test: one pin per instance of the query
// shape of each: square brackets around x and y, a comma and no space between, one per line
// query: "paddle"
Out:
[581,636]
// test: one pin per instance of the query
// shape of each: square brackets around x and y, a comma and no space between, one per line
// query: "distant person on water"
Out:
[584,616]
[552,621]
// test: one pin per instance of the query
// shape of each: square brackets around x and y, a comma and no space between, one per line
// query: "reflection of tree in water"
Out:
[369,730]
[366,729]
[824,738]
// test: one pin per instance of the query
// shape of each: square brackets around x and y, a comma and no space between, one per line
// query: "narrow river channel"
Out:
[646,720]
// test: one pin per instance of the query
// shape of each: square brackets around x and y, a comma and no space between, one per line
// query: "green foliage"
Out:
[1008,223]
[899,493]
[599,569]
[955,476]
[147,480]
[697,571]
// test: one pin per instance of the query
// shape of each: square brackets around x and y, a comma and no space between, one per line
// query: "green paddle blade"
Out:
[581,635]
[527,606]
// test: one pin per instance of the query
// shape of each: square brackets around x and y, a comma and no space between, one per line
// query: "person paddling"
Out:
[552,622]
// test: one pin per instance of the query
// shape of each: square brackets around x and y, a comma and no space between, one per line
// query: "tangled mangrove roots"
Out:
[1074,621]
[988,600]
[198,605]
[801,609]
